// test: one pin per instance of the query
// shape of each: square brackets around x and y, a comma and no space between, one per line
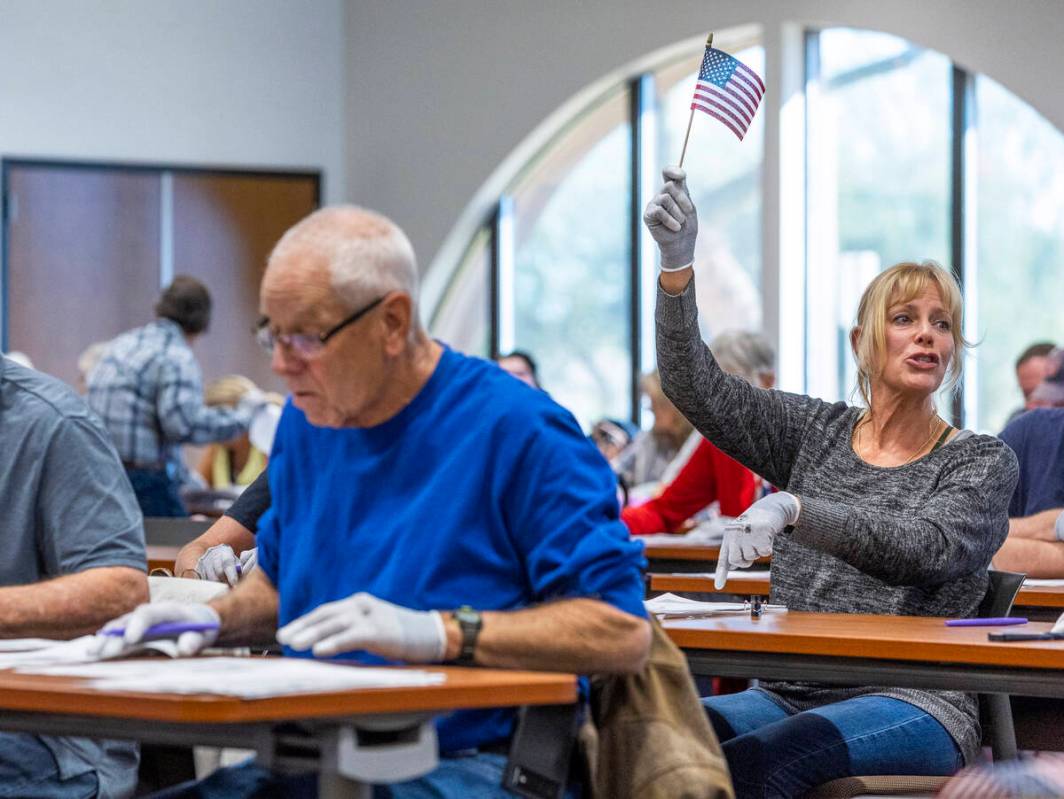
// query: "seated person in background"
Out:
[226,551]
[148,390]
[611,436]
[709,475]
[647,458]
[90,356]
[1035,545]
[1031,368]
[522,366]
[408,480]
[237,462]
[885,510]
[73,557]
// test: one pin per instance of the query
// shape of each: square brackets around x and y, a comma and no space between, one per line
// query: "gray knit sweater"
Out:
[913,540]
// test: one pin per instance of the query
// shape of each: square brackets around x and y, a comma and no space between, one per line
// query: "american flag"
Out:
[728,90]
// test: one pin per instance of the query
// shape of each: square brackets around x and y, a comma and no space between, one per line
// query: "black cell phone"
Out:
[1025,636]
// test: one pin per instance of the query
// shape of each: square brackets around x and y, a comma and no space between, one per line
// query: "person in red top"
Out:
[709,474]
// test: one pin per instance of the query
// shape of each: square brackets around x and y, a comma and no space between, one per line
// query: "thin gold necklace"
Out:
[866,418]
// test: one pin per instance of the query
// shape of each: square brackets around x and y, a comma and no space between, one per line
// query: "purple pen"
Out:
[985,622]
[167,628]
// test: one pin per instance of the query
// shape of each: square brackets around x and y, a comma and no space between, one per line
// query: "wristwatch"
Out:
[470,622]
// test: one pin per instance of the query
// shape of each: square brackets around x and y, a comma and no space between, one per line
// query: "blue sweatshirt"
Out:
[481,491]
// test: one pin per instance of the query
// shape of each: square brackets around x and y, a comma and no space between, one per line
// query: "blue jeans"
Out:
[156,492]
[463,777]
[774,753]
[28,771]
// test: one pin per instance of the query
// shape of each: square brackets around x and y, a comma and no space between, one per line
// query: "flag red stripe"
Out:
[745,82]
[727,103]
[715,115]
[735,97]
[737,109]
[736,85]
[732,116]
[754,75]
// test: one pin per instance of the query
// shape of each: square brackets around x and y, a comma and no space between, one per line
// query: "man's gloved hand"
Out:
[137,628]
[220,564]
[749,536]
[249,559]
[673,222]
[364,622]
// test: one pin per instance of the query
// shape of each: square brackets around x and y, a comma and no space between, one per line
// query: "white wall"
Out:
[439,93]
[245,83]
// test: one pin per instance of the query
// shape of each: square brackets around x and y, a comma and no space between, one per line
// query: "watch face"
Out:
[466,615]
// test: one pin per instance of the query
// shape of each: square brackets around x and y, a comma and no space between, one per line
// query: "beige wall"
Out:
[256,83]
[440,93]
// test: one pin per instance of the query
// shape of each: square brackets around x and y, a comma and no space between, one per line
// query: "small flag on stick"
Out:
[727,90]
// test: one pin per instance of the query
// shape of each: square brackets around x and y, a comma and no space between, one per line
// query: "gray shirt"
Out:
[68,507]
[915,539]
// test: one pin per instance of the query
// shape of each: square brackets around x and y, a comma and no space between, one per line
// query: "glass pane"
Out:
[724,177]
[1019,280]
[878,191]
[571,264]
[461,318]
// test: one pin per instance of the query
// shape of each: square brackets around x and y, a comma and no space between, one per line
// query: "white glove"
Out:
[137,624]
[672,221]
[249,559]
[1058,526]
[364,622]
[1058,625]
[749,536]
[220,564]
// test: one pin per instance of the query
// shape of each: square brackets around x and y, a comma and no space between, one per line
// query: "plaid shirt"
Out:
[148,390]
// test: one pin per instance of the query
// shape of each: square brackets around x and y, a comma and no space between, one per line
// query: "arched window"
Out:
[907,156]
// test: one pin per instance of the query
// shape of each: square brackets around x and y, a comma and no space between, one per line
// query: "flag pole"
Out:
[690,119]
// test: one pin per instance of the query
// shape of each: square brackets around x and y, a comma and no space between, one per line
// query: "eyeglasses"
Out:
[305,345]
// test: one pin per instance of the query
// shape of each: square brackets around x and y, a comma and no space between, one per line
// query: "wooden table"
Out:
[668,555]
[1041,596]
[745,583]
[160,557]
[901,651]
[757,582]
[69,706]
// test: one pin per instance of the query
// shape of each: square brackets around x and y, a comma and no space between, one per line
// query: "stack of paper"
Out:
[247,678]
[671,606]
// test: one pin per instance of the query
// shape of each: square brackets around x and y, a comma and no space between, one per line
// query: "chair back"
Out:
[1000,593]
[173,531]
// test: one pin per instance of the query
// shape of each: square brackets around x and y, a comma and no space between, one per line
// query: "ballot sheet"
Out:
[246,678]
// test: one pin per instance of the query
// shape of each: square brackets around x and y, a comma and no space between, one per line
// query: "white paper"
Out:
[1043,583]
[671,605]
[76,650]
[26,644]
[247,678]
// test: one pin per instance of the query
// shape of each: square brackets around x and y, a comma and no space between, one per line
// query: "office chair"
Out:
[995,718]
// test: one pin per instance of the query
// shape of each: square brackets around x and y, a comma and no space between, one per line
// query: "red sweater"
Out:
[708,475]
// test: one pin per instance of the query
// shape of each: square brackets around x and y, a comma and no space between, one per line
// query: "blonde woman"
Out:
[882,509]
[237,462]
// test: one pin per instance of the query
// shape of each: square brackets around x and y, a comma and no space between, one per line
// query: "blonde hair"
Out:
[902,283]
[227,390]
[650,384]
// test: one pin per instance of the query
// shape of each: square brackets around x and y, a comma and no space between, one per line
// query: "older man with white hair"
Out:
[425,506]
